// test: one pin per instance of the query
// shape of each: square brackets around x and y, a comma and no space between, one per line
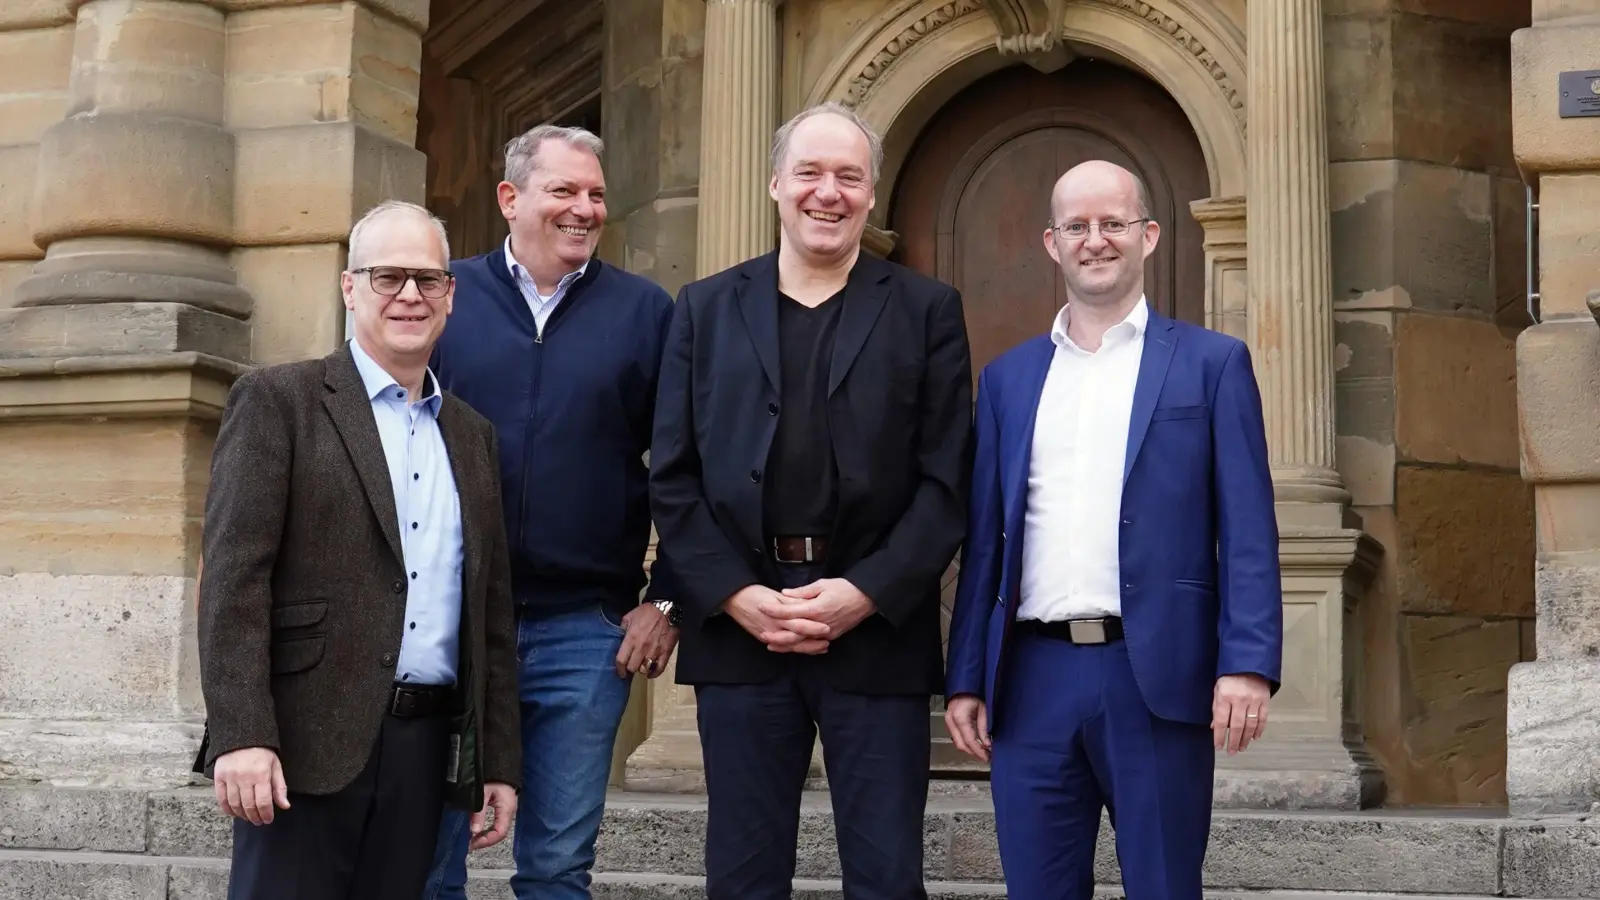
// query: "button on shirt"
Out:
[429,514]
[1071,567]
[541,305]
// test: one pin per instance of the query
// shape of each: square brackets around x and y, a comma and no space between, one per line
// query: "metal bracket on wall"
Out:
[1532,251]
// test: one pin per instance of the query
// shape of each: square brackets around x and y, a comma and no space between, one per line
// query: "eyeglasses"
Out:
[1108,228]
[387,281]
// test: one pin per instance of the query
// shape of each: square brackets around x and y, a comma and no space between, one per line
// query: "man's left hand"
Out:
[1239,711]
[834,602]
[649,642]
[501,798]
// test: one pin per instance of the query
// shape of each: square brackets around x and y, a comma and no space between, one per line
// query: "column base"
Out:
[1298,773]
[1553,737]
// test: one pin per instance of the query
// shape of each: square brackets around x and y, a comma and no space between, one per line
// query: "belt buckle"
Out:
[398,704]
[810,555]
[1087,631]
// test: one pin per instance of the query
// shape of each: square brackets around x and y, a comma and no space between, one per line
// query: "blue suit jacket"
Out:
[1201,595]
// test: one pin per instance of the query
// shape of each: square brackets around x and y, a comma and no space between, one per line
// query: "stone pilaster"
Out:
[1313,755]
[190,196]
[1553,714]
[739,112]
[1227,275]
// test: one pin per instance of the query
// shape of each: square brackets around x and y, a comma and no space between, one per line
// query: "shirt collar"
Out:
[1131,326]
[519,272]
[377,381]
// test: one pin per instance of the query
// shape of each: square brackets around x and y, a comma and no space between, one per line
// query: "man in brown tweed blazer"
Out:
[357,644]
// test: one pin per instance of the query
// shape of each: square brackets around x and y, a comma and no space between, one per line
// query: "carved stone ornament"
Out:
[939,18]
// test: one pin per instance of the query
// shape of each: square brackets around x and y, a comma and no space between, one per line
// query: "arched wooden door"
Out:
[973,200]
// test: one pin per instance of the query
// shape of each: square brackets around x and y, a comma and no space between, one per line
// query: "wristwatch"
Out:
[670,610]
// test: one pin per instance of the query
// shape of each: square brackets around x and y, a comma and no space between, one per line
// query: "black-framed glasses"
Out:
[387,281]
[1108,228]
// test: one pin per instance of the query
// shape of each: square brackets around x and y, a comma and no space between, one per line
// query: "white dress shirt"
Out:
[1070,562]
[541,305]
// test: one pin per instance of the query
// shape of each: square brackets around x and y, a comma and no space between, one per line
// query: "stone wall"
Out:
[1429,287]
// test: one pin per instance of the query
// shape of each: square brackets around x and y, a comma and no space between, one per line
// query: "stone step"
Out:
[64,875]
[1465,853]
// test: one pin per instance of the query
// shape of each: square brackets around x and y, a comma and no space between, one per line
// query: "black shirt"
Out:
[802,480]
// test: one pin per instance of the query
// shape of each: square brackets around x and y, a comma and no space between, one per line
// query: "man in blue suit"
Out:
[1119,615]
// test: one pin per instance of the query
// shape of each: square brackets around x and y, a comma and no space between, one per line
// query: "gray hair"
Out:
[780,140]
[358,249]
[522,151]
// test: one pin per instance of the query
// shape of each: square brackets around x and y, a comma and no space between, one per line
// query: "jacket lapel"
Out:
[1024,403]
[458,443]
[1160,340]
[351,411]
[864,296]
[758,304]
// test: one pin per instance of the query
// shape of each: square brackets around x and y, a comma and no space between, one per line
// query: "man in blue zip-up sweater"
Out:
[560,352]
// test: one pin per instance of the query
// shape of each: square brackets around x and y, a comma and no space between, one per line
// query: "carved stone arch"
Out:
[916,56]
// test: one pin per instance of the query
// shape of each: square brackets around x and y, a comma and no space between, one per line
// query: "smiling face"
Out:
[823,186]
[1100,269]
[394,320]
[557,216]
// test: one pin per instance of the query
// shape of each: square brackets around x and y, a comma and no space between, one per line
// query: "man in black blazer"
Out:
[809,479]
[357,645]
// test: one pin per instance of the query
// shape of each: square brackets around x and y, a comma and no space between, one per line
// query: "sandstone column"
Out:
[739,112]
[190,198]
[735,220]
[1553,714]
[1313,755]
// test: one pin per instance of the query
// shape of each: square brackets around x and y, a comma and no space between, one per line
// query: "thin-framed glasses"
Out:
[1108,228]
[386,281]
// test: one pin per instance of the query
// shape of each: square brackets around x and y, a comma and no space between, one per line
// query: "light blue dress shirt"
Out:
[541,305]
[429,514]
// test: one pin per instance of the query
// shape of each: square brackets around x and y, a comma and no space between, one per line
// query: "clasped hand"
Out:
[804,619]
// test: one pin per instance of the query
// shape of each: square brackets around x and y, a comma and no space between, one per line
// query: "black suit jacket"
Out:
[900,408]
[302,604]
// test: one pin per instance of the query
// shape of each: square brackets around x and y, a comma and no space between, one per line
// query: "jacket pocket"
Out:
[299,615]
[1196,584]
[1179,412]
[297,655]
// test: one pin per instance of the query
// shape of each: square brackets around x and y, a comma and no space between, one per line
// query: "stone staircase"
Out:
[120,844]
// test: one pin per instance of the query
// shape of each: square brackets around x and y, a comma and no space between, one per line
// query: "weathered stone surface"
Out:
[1568,589]
[52,879]
[1466,542]
[190,881]
[1553,736]
[1364,395]
[44,818]
[1567,519]
[26,14]
[87,753]
[1558,859]
[309,184]
[35,66]
[67,512]
[108,329]
[1543,140]
[1510,253]
[150,57]
[411,13]
[18,171]
[1408,234]
[1455,671]
[1568,257]
[299,310]
[134,174]
[1558,395]
[188,823]
[1455,391]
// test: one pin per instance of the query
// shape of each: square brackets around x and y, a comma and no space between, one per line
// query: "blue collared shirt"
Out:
[429,514]
[541,305]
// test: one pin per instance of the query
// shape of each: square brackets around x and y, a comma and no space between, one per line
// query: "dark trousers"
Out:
[373,839]
[1074,735]
[756,740]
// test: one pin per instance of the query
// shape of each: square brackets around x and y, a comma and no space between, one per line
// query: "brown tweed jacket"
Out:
[303,600]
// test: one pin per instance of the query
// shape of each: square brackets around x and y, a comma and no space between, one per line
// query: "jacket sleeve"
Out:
[246,506]
[981,558]
[1249,587]
[502,726]
[660,586]
[703,563]
[899,575]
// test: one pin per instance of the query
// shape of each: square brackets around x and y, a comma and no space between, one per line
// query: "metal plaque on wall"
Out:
[1580,94]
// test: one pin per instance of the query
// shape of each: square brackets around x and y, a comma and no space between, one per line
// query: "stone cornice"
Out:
[1329,552]
[191,384]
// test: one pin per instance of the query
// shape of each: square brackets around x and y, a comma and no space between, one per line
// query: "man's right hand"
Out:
[968,723]
[249,782]
[750,608]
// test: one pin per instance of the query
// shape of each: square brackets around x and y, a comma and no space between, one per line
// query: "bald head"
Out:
[1103,181]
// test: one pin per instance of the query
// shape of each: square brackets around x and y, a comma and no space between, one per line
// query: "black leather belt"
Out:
[422,701]
[800,549]
[1103,630]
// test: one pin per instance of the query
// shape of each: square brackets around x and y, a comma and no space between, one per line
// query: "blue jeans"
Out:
[572,703]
